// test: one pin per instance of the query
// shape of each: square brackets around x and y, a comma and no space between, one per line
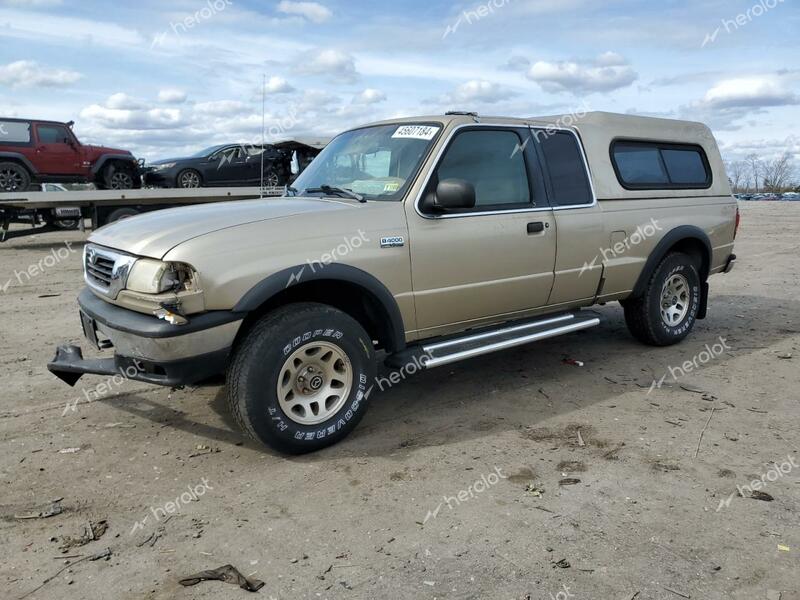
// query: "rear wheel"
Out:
[271,179]
[300,378]
[13,177]
[667,310]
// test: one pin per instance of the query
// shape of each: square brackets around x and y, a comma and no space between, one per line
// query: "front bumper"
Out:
[148,349]
[159,178]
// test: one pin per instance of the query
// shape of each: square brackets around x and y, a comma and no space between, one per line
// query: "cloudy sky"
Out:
[167,78]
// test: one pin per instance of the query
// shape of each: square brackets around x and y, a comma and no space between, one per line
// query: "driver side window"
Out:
[229,153]
[493,161]
[52,134]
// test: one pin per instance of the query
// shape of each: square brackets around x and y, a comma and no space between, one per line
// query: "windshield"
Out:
[375,162]
[205,152]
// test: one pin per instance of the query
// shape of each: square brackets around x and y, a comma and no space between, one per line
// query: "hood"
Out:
[156,233]
[98,150]
[164,161]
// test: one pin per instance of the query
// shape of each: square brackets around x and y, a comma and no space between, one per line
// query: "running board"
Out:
[437,354]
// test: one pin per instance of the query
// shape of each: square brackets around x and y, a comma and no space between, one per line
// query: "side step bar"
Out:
[437,354]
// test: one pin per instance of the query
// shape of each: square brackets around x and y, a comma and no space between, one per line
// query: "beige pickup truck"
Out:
[429,240]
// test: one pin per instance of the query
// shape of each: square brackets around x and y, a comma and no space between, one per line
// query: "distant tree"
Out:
[755,169]
[778,173]
[737,174]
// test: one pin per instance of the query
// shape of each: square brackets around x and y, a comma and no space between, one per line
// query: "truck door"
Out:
[494,261]
[57,152]
[579,218]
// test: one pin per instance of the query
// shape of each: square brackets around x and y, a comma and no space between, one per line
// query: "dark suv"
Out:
[47,151]
[223,165]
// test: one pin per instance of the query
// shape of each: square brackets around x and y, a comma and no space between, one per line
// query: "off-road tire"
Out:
[118,177]
[261,358]
[189,179]
[14,177]
[643,315]
[121,213]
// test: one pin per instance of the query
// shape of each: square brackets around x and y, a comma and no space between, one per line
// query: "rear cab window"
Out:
[567,176]
[15,132]
[660,165]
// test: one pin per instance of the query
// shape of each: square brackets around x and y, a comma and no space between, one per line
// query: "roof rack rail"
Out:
[461,112]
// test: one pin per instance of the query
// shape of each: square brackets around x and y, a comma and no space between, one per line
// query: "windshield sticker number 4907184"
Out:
[416,132]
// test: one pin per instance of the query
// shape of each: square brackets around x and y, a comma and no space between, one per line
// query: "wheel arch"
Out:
[104,159]
[347,288]
[686,238]
[21,159]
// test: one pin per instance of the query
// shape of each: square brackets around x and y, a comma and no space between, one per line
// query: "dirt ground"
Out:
[458,484]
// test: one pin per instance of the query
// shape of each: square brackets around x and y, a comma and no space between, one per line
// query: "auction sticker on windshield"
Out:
[416,132]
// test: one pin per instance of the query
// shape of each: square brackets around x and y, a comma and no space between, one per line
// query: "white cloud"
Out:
[28,73]
[369,96]
[277,85]
[122,101]
[606,73]
[517,63]
[114,118]
[31,3]
[172,96]
[757,92]
[331,62]
[222,108]
[313,11]
[479,90]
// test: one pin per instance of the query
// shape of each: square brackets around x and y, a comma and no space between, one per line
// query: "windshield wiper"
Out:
[332,191]
[288,190]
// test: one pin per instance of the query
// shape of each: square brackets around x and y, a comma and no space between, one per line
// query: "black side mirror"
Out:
[453,194]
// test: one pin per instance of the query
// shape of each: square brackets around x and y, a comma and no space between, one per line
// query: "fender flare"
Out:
[21,158]
[104,158]
[334,272]
[674,236]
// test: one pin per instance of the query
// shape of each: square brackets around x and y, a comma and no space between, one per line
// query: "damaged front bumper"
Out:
[146,348]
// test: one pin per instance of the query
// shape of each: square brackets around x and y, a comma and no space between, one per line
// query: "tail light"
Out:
[738,221]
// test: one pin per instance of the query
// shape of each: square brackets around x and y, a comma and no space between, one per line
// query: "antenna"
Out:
[263,140]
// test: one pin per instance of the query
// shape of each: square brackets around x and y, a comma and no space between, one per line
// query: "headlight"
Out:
[150,276]
[163,166]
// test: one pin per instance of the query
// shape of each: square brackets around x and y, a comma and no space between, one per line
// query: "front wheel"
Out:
[300,379]
[189,179]
[117,177]
[667,311]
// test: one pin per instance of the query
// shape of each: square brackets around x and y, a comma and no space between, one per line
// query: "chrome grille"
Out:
[101,270]
[105,270]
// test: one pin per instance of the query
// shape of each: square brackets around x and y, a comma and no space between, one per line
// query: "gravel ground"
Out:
[452,485]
